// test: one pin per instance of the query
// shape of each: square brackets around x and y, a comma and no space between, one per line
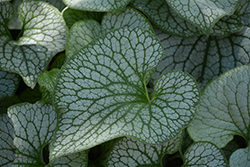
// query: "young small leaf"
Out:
[48,79]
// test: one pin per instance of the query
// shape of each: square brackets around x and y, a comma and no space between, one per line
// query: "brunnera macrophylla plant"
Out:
[124,83]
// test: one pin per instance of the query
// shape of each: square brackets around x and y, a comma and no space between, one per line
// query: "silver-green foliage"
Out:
[119,90]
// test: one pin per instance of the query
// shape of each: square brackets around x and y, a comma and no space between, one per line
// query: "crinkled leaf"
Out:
[164,17]
[101,94]
[8,83]
[72,16]
[203,14]
[128,152]
[223,110]
[7,149]
[48,79]
[34,125]
[240,158]
[203,57]
[83,32]
[204,154]
[97,5]
[44,34]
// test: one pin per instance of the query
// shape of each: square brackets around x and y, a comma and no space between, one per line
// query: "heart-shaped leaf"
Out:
[8,83]
[223,110]
[101,94]
[128,152]
[97,5]
[204,154]
[34,125]
[203,14]
[44,34]
[7,149]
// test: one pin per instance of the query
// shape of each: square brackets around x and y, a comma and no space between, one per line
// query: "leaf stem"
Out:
[146,90]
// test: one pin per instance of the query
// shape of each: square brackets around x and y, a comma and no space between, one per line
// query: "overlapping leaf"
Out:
[7,149]
[128,152]
[240,158]
[8,83]
[203,14]
[47,81]
[44,34]
[165,18]
[34,125]
[203,57]
[17,24]
[128,18]
[72,15]
[79,159]
[101,94]
[204,154]
[224,109]
[169,21]
[97,5]
[83,32]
